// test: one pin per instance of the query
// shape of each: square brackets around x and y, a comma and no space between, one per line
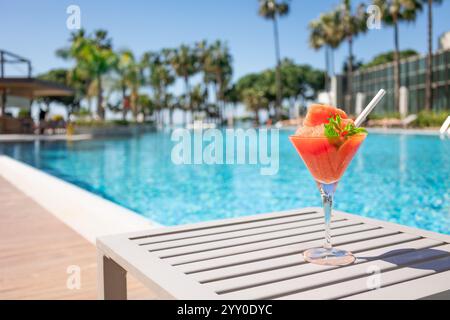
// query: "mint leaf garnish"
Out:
[352,130]
[330,131]
[333,128]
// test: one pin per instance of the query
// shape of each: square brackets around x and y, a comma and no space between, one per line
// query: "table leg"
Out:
[112,279]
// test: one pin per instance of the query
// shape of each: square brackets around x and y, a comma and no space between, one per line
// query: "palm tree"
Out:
[160,78]
[198,97]
[146,104]
[352,24]
[394,12]
[255,100]
[203,53]
[429,77]
[218,64]
[184,63]
[130,73]
[325,33]
[94,56]
[271,9]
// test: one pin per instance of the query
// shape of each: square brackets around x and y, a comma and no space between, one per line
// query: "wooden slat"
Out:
[284,250]
[296,271]
[224,230]
[267,229]
[255,247]
[211,227]
[398,274]
[415,289]
[290,260]
[250,239]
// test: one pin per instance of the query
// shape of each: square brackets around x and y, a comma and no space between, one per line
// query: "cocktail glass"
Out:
[327,159]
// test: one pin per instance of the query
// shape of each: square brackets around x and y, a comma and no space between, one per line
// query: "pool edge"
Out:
[88,214]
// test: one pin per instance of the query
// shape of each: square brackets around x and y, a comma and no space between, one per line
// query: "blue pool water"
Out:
[399,178]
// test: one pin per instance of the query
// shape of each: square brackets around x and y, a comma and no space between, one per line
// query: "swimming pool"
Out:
[398,178]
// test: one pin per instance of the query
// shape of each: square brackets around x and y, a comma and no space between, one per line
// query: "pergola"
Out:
[26,87]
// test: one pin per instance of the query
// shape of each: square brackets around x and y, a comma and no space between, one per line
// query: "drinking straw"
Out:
[370,107]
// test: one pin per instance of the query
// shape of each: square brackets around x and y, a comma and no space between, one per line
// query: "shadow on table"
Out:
[426,259]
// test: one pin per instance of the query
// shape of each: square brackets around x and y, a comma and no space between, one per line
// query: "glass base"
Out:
[329,257]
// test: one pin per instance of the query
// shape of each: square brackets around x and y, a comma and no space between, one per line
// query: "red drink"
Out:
[327,144]
[326,159]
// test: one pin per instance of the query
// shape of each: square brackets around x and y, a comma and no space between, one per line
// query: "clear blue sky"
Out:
[35,29]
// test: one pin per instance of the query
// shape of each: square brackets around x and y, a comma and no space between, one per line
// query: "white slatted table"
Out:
[260,257]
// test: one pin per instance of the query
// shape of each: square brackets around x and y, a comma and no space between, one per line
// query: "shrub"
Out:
[430,119]
[24,113]
[82,112]
[386,115]
[121,122]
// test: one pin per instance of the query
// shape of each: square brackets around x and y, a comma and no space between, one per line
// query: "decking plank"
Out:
[36,249]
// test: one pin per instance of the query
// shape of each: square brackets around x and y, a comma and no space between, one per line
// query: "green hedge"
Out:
[430,119]
[386,115]
[107,123]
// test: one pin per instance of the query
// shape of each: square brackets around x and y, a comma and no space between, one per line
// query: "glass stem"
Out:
[327,192]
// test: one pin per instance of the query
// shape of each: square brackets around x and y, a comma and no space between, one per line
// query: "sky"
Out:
[35,29]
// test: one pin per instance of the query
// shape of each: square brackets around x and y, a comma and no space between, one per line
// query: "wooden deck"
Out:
[36,249]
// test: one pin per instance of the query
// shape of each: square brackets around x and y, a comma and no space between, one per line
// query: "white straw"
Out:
[370,107]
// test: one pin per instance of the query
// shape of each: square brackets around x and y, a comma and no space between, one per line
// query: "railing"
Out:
[412,79]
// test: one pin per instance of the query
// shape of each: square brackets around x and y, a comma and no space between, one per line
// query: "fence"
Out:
[412,77]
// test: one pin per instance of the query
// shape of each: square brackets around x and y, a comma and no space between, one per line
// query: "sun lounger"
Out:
[392,122]
[260,257]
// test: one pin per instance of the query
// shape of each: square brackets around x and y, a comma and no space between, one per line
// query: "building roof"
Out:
[33,88]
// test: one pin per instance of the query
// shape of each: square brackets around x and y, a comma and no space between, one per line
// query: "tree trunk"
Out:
[171,116]
[124,110]
[327,73]
[188,98]
[396,68]
[134,103]
[3,102]
[332,61]
[277,71]
[257,117]
[429,75]
[100,109]
[350,74]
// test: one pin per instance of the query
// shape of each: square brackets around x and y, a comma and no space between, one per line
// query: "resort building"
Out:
[412,81]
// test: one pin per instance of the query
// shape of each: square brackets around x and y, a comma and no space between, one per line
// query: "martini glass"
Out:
[327,159]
